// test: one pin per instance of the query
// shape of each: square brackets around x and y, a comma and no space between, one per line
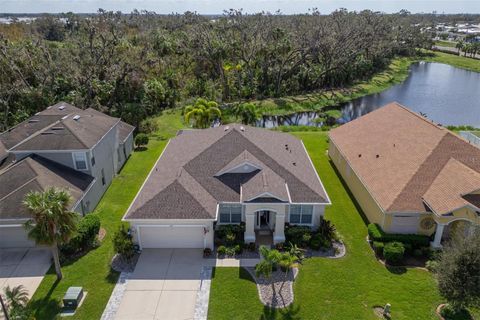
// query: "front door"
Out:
[262,219]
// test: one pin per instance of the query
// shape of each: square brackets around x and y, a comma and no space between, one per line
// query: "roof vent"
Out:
[242,128]
[61,107]
[33,120]
[377,156]
[57,128]
[294,163]
[359,155]
[76,117]
[226,128]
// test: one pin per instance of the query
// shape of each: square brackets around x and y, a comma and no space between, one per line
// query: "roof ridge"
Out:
[437,126]
[73,133]
[389,208]
[36,134]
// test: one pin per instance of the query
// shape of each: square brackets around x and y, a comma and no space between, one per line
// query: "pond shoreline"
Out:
[396,73]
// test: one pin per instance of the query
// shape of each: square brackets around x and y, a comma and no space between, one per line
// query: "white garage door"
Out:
[404,224]
[171,236]
[14,237]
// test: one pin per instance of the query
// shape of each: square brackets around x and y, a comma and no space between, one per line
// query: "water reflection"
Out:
[447,95]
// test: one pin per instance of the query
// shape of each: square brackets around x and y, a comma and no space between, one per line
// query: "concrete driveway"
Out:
[164,285]
[23,267]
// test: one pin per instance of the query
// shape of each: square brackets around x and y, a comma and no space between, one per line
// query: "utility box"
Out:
[73,297]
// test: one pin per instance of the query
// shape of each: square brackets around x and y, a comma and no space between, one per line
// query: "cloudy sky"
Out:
[217,6]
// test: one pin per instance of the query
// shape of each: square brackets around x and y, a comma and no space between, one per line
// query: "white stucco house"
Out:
[226,175]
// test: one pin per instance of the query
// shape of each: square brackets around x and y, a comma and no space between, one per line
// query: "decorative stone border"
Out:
[203,294]
[116,297]
[264,288]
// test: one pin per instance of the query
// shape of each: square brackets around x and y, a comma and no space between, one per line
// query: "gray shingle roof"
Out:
[35,173]
[194,160]
[58,128]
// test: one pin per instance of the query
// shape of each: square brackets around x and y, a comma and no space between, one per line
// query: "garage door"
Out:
[404,224]
[171,236]
[14,237]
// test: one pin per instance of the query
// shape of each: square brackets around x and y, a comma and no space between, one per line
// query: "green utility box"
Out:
[73,297]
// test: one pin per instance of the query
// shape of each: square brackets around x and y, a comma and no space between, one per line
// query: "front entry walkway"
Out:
[164,285]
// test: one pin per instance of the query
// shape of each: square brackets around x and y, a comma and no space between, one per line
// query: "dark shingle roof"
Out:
[59,127]
[35,173]
[124,130]
[195,160]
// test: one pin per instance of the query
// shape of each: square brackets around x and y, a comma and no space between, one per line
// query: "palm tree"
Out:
[52,222]
[460,44]
[287,262]
[16,299]
[247,112]
[202,113]
[269,262]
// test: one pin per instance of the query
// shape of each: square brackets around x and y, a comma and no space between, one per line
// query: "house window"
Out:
[93,161]
[230,213]
[103,177]
[80,160]
[301,214]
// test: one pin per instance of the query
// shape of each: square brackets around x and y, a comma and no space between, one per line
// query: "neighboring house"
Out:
[62,146]
[226,175]
[409,174]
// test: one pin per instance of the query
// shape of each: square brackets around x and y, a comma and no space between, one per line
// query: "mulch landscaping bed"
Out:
[337,250]
[120,264]
[281,294]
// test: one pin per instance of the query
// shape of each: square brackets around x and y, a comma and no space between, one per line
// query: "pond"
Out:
[445,94]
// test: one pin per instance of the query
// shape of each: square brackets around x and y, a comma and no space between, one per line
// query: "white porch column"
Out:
[278,234]
[437,242]
[249,227]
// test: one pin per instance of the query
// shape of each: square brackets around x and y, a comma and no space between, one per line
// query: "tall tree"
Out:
[458,271]
[52,222]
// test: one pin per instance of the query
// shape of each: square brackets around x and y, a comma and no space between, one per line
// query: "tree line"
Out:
[133,66]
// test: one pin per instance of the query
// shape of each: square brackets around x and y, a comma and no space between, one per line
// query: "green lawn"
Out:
[454,60]
[92,271]
[441,43]
[346,288]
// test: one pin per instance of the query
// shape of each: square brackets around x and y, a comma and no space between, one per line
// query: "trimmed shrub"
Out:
[87,231]
[222,250]
[230,232]
[123,243]
[298,235]
[378,248]
[141,140]
[230,251]
[376,233]
[393,252]
[238,249]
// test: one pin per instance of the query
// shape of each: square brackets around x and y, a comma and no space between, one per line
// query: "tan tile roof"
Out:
[398,154]
[193,161]
[447,190]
